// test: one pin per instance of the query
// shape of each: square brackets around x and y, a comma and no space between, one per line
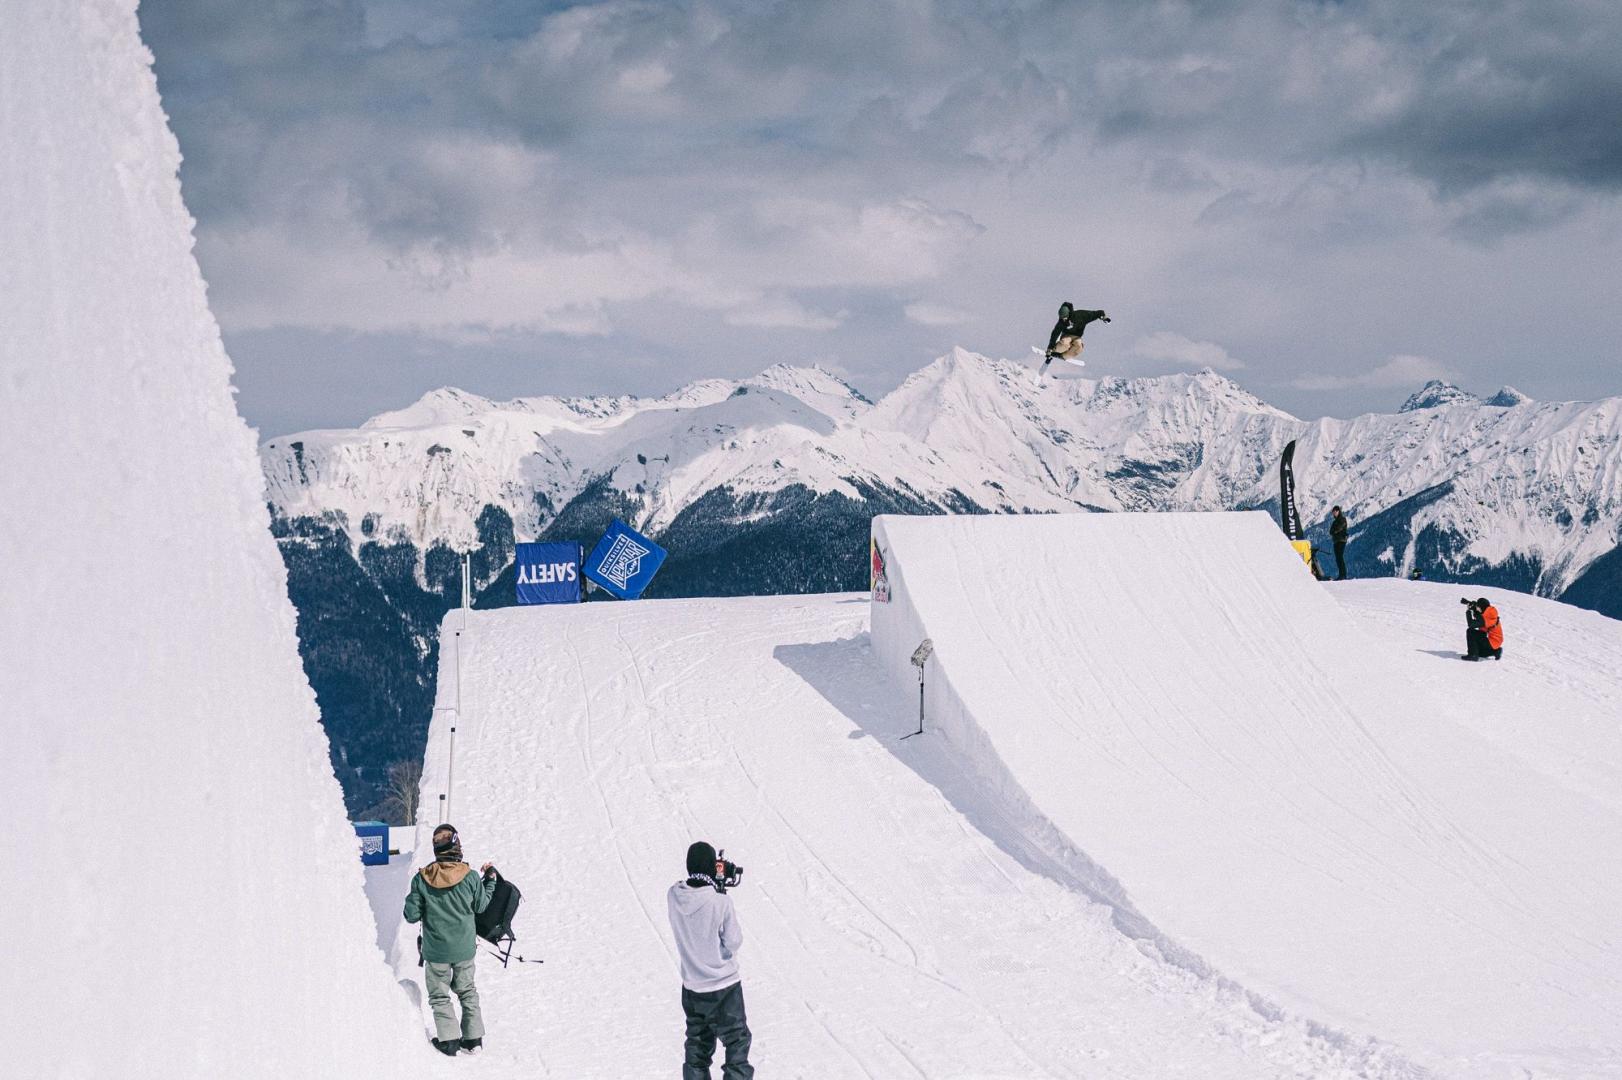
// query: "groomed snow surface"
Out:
[1178,811]
[181,895]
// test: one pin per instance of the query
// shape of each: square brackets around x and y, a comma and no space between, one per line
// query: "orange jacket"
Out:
[1490,623]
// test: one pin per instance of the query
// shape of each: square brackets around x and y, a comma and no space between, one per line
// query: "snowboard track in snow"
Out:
[906,904]
[1013,822]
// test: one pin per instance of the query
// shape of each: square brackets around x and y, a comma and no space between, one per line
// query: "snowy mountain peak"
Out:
[443,406]
[966,431]
[816,386]
[1507,398]
[1437,393]
[1203,392]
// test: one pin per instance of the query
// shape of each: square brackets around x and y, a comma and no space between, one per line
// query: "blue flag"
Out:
[548,573]
[624,561]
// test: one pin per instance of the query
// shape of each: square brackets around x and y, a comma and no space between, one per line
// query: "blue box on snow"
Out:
[374,842]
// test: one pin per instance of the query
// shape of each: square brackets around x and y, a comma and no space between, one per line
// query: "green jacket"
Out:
[444,897]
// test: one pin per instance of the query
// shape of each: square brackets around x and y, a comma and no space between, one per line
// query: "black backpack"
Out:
[495,923]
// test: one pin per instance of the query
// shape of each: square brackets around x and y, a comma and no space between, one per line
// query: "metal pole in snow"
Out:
[467,586]
[920,707]
[450,765]
[450,773]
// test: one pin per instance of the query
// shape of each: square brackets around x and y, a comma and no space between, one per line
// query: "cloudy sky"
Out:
[1331,202]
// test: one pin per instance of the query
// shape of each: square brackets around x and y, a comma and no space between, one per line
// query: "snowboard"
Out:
[1042,371]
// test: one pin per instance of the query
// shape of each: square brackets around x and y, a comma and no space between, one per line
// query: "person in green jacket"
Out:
[444,897]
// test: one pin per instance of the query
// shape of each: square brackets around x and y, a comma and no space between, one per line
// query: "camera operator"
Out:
[1484,632]
[1472,631]
[444,897]
[707,939]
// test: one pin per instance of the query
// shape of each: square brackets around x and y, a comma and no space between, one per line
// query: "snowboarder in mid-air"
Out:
[1065,341]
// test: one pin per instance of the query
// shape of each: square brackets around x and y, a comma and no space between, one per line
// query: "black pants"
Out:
[1477,646]
[1340,561]
[716,1014]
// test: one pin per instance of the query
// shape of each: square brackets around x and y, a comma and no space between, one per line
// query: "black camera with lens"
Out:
[1467,602]
[727,874]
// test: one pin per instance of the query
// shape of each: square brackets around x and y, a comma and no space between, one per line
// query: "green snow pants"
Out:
[443,981]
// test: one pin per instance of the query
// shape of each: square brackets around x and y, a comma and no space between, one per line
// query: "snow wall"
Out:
[184,895]
[1256,787]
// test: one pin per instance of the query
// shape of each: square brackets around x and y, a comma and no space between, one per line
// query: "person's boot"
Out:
[448,1047]
[472,1046]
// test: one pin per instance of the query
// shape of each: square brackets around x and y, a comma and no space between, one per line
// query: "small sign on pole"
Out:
[920,657]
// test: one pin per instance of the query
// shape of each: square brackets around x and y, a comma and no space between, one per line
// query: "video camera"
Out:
[728,874]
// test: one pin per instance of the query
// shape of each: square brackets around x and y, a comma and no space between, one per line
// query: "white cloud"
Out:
[791,241]
[1401,371]
[1167,345]
[706,175]
[645,78]
[780,312]
[927,313]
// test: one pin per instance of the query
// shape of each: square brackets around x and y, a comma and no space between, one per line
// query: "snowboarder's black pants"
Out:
[1340,561]
[716,1014]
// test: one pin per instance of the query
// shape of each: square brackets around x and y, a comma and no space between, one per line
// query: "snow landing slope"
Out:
[1259,784]
[899,920]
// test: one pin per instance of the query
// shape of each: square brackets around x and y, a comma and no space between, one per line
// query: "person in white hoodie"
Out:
[707,940]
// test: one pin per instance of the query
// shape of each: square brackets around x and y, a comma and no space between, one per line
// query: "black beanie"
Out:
[701,859]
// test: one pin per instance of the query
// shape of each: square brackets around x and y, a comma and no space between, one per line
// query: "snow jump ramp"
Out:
[1267,791]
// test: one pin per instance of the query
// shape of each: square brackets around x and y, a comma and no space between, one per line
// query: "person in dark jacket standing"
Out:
[1337,534]
[444,897]
[1065,341]
[708,938]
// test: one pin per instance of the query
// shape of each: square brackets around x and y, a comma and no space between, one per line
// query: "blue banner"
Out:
[548,573]
[624,561]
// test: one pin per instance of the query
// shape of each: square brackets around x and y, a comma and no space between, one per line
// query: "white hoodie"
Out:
[707,936]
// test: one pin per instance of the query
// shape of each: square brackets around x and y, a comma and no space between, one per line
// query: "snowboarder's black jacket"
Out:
[1337,529]
[1072,325]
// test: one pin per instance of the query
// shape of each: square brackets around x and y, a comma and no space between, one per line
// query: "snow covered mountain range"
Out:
[766,485]
[1530,490]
